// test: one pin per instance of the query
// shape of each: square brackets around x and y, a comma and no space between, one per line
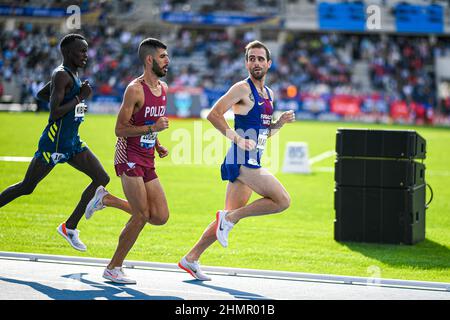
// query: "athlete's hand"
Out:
[161,124]
[246,144]
[286,117]
[162,151]
[85,90]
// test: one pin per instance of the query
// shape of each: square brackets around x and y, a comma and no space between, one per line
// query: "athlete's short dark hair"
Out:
[257,44]
[68,39]
[148,47]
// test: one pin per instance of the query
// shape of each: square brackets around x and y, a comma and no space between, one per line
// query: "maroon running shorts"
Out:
[136,170]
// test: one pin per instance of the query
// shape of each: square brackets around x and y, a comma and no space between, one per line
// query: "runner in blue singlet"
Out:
[251,102]
[254,125]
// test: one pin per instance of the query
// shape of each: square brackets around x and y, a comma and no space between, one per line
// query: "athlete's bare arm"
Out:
[60,82]
[162,151]
[133,100]
[285,117]
[235,97]
[44,93]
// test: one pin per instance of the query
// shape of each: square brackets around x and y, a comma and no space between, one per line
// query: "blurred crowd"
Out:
[398,66]
[43,4]
[30,52]
[231,6]
[85,5]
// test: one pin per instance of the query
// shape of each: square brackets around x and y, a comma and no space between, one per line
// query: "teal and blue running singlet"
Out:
[60,140]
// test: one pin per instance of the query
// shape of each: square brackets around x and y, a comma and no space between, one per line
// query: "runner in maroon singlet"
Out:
[140,118]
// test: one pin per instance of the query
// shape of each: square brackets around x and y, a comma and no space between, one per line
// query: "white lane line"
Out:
[322,156]
[437,173]
[16,159]
[239,272]
[313,160]
[159,164]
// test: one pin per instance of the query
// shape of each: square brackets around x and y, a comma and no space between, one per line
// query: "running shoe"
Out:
[72,237]
[96,202]
[193,268]
[223,227]
[117,275]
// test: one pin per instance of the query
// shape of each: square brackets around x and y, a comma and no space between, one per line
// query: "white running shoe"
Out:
[223,227]
[96,202]
[72,237]
[117,275]
[193,268]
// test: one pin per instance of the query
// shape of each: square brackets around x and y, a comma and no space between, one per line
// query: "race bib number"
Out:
[253,162]
[262,139]
[56,157]
[79,111]
[148,141]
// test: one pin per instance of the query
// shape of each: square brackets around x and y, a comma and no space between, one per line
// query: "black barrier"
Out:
[380,190]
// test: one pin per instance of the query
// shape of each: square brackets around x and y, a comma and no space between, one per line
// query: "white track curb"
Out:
[236,271]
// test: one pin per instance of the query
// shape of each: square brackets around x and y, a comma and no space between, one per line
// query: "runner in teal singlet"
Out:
[61,143]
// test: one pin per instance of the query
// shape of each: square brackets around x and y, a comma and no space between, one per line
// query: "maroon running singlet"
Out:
[135,156]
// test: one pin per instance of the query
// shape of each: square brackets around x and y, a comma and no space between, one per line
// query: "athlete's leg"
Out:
[112,201]
[274,199]
[158,213]
[237,196]
[136,194]
[37,170]
[88,163]
[101,199]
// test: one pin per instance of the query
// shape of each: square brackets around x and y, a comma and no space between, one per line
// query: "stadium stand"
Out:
[314,71]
